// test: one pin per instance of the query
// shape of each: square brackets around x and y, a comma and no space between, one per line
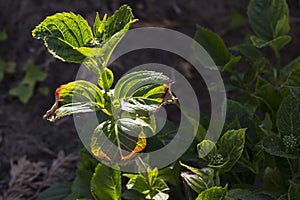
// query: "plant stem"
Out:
[217,179]
[278,63]
[291,166]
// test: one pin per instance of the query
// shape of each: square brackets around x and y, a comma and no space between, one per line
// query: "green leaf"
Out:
[231,147]
[294,191]
[64,35]
[206,148]
[213,44]
[288,118]
[214,193]
[11,67]
[293,82]
[236,112]
[276,43]
[236,21]
[119,21]
[194,181]
[249,51]
[282,26]
[229,66]
[171,175]
[206,174]
[132,195]
[106,183]
[237,193]
[244,194]
[151,186]
[264,16]
[201,180]
[57,191]
[3,35]
[108,34]
[81,184]
[33,74]
[106,79]
[293,65]
[24,90]
[274,146]
[268,97]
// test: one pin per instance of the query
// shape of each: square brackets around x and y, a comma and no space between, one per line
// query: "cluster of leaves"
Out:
[267,105]
[257,156]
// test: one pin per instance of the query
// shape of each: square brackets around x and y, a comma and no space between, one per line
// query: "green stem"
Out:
[218,182]
[278,63]
[291,166]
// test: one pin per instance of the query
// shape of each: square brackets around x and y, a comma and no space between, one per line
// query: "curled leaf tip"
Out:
[51,113]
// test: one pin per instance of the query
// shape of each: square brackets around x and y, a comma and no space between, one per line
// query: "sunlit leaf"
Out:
[75,97]
[106,183]
[214,193]
[64,34]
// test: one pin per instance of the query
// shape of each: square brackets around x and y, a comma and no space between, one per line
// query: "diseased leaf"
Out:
[106,183]
[75,97]
[126,136]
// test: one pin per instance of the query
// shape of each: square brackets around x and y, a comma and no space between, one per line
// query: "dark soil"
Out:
[22,129]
